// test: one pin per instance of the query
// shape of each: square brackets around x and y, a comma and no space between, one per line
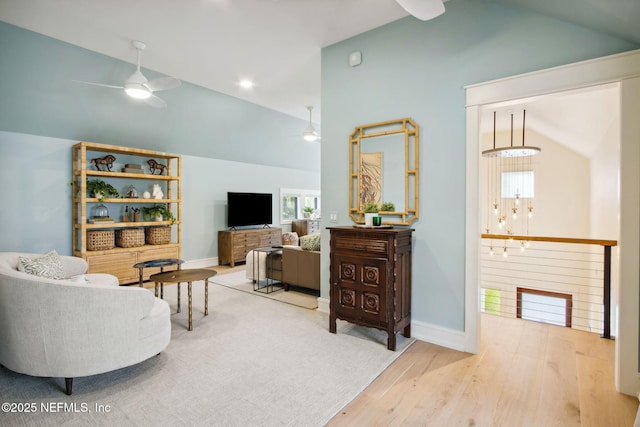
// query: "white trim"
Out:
[439,335]
[323,305]
[607,69]
[614,68]
[201,263]
[627,371]
[472,233]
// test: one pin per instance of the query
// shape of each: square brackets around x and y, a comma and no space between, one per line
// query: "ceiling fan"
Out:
[423,9]
[310,134]
[137,86]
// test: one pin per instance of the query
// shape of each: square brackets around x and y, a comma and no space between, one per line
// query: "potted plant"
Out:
[158,213]
[100,189]
[370,210]
[308,211]
[387,207]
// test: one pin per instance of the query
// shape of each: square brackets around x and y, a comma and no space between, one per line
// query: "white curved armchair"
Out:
[62,328]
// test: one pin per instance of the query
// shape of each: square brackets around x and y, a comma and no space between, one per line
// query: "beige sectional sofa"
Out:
[291,266]
[300,267]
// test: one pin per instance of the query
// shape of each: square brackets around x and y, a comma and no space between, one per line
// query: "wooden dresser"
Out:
[233,245]
[305,226]
[370,279]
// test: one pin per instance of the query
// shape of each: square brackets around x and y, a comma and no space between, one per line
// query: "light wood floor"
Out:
[526,374]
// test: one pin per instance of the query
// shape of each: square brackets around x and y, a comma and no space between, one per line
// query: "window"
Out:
[490,300]
[517,183]
[294,201]
[543,306]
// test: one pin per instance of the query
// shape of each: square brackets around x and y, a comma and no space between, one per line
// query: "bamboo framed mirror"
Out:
[383,169]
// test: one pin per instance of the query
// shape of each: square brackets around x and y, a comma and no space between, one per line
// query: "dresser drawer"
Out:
[313,226]
[377,247]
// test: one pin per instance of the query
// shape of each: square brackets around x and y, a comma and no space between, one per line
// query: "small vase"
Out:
[368,217]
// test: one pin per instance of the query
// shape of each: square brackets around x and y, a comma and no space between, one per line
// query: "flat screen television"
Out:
[248,209]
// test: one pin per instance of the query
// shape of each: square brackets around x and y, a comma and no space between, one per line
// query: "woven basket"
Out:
[158,235]
[130,237]
[98,240]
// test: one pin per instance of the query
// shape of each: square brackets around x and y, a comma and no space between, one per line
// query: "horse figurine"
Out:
[155,166]
[157,192]
[107,161]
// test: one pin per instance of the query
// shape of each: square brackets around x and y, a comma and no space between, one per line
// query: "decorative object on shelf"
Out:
[146,195]
[107,161]
[101,215]
[157,192]
[370,210]
[125,216]
[136,215]
[308,212]
[99,240]
[387,207]
[132,193]
[377,221]
[100,189]
[510,174]
[157,235]
[101,211]
[132,168]
[130,237]
[158,213]
[155,166]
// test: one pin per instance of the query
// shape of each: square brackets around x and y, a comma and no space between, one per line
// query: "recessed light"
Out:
[247,84]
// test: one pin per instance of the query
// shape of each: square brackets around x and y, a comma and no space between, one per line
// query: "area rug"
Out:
[250,362]
[238,280]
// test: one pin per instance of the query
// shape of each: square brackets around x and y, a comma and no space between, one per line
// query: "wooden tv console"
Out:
[233,245]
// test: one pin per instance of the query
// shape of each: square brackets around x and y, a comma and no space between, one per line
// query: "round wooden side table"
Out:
[189,276]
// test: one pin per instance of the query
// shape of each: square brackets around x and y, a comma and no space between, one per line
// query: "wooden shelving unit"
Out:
[119,261]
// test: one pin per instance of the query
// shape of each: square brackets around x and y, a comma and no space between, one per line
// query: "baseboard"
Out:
[323,305]
[201,263]
[438,335]
[422,331]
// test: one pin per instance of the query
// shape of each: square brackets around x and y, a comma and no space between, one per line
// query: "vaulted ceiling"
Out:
[276,43]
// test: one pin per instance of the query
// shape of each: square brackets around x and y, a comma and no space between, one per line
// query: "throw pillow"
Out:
[310,242]
[290,238]
[48,266]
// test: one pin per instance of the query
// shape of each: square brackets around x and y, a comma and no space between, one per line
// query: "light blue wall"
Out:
[419,69]
[227,144]
[36,172]
[38,95]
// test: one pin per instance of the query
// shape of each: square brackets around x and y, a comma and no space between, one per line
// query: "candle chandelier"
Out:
[510,187]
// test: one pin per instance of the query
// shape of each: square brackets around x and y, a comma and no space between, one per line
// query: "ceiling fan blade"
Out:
[99,84]
[163,83]
[423,9]
[155,102]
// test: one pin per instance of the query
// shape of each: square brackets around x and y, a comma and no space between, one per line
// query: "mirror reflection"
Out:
[384,172]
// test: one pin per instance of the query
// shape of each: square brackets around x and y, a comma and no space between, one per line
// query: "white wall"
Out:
[562,189]
[605,187]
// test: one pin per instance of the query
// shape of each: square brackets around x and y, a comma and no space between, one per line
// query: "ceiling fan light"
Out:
[423,9]
[310,134]
[137,91]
